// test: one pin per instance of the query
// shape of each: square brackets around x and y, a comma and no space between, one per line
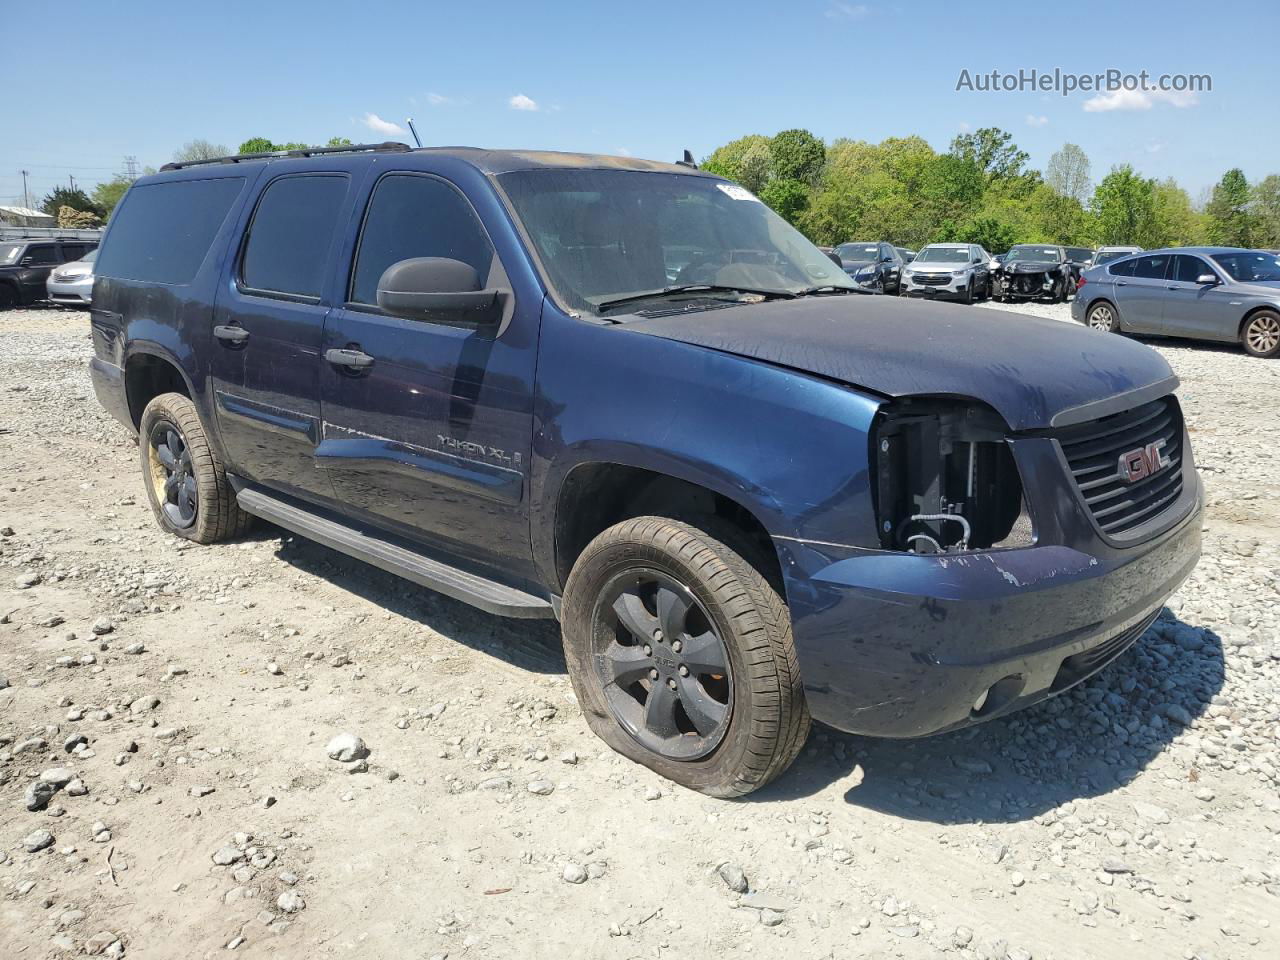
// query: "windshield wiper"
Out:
[828,288]
[688,288]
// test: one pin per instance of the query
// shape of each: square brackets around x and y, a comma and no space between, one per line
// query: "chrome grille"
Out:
[1094,451]
[932,279]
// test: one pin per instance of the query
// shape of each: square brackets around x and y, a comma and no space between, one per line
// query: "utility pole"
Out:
[26,198]
[131,167]
[72,178]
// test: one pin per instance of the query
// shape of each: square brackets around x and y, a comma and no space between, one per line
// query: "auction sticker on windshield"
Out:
[737,192]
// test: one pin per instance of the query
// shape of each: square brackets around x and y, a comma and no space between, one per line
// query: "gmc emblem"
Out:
[1143,462]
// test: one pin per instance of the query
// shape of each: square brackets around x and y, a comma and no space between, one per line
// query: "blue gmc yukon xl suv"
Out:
[627,395]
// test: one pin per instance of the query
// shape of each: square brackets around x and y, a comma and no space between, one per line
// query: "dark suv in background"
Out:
[25,266]
[628,395]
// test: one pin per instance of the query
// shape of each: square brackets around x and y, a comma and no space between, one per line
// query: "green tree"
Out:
[1176,223]
[797,155]
[1229,217]
[338,142]
[1266,203]
[745,160]
[992,234]
[109,193]
[788,198]
[1124,208]
[994,153]
[1068,173]
[257,145]
[61,197]
[199,150]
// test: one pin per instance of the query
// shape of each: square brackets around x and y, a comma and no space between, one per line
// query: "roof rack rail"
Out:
[390,146]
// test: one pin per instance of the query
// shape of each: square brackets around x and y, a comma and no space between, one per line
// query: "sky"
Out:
[108,80]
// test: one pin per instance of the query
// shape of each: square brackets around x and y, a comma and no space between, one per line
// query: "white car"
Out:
[958,271]
[72,283]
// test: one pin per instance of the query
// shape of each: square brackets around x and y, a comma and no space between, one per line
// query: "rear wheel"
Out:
[8,297]
[1261,334]
[681,656]
[1102,317]
[184,477]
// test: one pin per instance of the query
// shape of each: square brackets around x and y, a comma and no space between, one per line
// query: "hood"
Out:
[937,266]
[855,265]
[1035,373]
[1027,266]
[1258,288]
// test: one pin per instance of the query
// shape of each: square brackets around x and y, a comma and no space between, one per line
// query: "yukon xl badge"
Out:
[478,451]
[1143,462]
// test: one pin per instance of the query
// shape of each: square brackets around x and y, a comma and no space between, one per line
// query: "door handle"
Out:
[231,334]
[1122,283]
[357,359]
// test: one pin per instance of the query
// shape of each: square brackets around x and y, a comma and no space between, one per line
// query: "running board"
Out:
[488,595]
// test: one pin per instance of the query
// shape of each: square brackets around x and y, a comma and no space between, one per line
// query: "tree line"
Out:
[982,190]
[74,207]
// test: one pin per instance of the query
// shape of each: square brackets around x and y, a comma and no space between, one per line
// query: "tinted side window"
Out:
[288,241]
[1151,268]
[1122,269]
[1187,268]
[416,216]
[162,231]
[72,251]
[41,254]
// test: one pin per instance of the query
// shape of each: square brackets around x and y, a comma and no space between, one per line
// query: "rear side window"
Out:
[288,243]
[42,254]
[416,216]
[162,231]
[1151,268]
[1122,269]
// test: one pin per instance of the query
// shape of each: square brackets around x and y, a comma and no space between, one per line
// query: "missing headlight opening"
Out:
[947,481]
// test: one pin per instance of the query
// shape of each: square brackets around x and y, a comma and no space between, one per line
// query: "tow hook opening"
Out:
[997,696]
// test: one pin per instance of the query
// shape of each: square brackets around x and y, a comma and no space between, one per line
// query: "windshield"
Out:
[89,257]
[859,251]
[606,235]
[1079,253]
[1253,266]
[1108,255]
[9,252]
[1033,255]
[943,255]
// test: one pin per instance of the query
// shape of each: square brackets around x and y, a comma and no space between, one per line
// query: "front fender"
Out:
[790,448]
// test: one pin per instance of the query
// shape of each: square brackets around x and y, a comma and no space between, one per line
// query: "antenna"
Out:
[687,160]
[414,131]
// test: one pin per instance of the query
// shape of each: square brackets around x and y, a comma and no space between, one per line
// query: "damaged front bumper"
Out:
[1026,286]
[899,644]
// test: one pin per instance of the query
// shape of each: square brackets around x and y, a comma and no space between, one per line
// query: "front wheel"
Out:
[184,477]
[681,655]
[1261,334]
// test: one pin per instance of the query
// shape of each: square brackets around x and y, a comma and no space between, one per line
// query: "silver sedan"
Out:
[72,283]
[1225,294]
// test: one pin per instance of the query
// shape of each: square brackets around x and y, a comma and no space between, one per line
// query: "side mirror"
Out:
[440,290]
[835,258]
[1207,279]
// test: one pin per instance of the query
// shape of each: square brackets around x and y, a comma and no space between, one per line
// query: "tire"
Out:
[201,505]
[968,292]
[8,297]
[1102,317]
[757,704]
[1260,334]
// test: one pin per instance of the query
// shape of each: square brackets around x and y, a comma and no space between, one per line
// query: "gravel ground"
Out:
[169,713]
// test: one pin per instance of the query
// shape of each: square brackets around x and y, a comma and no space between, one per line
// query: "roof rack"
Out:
[390,146]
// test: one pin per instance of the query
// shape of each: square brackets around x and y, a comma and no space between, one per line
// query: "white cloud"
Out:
[1154,147]
[847,11]
[623,152]
[437,99]
[384,127]
[521,102]
[965,126]
[1139,100]
[1034,121]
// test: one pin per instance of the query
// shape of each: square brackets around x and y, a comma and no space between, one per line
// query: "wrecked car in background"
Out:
[1034,271]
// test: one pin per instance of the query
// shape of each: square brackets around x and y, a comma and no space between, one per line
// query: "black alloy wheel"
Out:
[663,667]
[172,475]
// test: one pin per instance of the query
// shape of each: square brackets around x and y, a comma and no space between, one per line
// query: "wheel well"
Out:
[1250,315]
[145,378]
[596,496]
